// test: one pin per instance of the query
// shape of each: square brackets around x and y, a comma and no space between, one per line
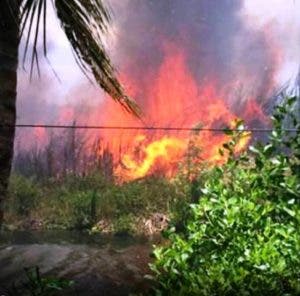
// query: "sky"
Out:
[282,15]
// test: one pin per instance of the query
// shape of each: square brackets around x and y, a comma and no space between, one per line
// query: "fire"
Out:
[187,71]
[163,154]
[40,133]
[172,99]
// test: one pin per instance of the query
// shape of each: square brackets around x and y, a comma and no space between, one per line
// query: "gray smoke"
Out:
[212,33]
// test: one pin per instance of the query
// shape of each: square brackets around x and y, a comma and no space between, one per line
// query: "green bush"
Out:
[83,205]
[93,181]
[70,210]
[23,195]
[242,237]
[141,196]
[80,202]
[124,224]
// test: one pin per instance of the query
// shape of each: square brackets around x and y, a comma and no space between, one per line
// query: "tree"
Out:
[84,23]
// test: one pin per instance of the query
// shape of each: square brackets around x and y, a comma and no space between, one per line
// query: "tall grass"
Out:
[80,202]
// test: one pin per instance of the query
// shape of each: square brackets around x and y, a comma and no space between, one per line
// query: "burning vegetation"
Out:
[193,68]
[173,100]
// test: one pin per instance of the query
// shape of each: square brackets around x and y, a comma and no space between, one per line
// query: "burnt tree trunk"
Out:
[9,42]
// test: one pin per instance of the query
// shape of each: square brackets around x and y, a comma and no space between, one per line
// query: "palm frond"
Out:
[31,14]
[84,23]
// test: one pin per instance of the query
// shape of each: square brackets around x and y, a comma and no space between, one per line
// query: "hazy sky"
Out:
[284,15]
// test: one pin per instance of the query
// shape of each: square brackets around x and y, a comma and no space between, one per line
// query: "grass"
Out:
[89,203]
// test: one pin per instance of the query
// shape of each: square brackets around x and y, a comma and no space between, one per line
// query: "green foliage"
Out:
[23,195]
[124,224]
[37,285]
[81,202]
[82,206]
[242,237]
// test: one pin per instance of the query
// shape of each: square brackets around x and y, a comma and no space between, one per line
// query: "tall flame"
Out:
[172,99]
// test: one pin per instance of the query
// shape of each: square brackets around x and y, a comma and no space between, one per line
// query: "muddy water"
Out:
[99,265]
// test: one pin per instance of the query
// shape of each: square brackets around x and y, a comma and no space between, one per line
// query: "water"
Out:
[99,265]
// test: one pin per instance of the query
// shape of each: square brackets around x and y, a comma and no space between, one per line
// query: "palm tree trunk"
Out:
[9,42]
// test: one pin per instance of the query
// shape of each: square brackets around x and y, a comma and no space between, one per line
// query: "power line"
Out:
[102,127]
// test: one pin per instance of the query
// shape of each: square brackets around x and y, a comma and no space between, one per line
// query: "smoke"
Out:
[218,43]
[285,19]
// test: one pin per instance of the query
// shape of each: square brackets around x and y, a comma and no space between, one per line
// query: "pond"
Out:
[99,265]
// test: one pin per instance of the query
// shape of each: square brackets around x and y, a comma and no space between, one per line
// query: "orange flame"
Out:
[172,99]
[161,154]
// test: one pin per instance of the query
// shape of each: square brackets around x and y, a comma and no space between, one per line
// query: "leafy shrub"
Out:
[79,202]
[83,209]
[93,181]
[124,224]
[74,210]
[143,196]
[23,194]
[242,237]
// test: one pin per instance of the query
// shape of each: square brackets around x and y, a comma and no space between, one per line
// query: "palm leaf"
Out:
[84,23]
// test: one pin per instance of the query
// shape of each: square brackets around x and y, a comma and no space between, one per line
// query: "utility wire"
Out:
[102,127]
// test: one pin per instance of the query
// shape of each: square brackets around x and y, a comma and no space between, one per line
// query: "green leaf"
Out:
[289,211]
